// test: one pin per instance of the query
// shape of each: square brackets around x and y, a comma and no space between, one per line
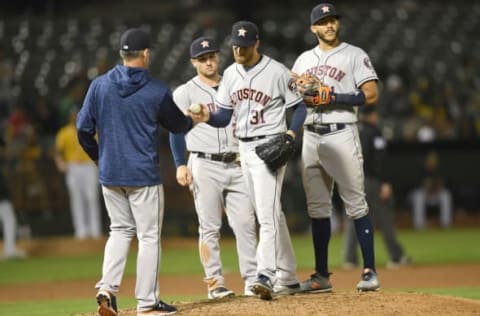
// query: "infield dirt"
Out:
[396,297]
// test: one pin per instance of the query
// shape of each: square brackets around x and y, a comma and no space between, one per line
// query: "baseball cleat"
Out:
[248,289]
[316,284]
[160,309]
[263,287]
[107,303]
[287,289]
[369,281]
[219,292]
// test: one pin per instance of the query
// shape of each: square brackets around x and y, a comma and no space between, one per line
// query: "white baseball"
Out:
[196,108]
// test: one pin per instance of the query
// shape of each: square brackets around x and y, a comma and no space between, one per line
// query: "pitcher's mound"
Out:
[336,303]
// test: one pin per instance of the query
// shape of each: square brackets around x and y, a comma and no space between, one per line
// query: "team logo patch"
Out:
[292,85]
[367,63]
[242,32]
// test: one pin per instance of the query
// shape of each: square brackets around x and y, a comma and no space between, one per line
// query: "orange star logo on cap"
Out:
[205,44]
[325,9]
[242,32]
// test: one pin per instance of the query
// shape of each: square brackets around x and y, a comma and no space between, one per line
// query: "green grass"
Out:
[465,292]
[70,307]
[40,269]
[49,308]
[427,248]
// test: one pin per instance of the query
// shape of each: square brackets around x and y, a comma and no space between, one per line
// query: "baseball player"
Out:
[331,150]
[217,177]
[259,90]
[8,219]
[379,193]
[126,106]
[81,176]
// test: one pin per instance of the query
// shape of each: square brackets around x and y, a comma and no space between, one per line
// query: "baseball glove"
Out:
[276,151]
[314,92]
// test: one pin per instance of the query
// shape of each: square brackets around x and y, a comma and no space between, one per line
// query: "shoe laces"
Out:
[265,279]
[317,275]
[366,276]
[219,289]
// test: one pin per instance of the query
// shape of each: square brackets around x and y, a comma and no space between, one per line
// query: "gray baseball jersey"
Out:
[217,186]
[344,68]
[260,97]
[204,138]
[334,157]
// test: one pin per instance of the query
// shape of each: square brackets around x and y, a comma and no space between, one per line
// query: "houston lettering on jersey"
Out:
[329,71]
[250,94]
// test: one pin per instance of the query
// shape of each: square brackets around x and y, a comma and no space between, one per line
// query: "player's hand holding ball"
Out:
[198,112]
[195,108]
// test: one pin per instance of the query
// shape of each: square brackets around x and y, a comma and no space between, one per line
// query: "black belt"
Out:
[251,139]
[223,157]
[323,129]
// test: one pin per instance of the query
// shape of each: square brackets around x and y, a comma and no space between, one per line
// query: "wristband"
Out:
[356,98]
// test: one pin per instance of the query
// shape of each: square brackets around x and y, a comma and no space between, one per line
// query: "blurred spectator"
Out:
[6,76]
[18,123]
[46,122]
[81,176]
[32,190]
[73,99]
[393,100]
[432,192]
[8,219]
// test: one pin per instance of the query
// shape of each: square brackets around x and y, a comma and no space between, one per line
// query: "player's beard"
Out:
[241,59]
[246,57]
[328,41]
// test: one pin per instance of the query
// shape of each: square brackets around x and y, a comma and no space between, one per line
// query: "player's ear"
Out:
[312,29]
[146,55]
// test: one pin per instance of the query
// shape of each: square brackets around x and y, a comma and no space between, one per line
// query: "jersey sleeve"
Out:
[181,97]
[86,123]
[172,118]
[363,69]
[223,99]
[292,96]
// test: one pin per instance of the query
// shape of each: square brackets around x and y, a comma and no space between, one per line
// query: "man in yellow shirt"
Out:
[81,175]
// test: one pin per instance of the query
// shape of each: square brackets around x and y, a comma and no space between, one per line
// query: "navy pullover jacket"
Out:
[126,107]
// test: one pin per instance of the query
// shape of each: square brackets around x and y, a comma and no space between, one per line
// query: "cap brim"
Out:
[242,43]
[204,53]
[327,16]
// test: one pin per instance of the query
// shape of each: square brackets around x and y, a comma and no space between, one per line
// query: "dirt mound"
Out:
[336,303]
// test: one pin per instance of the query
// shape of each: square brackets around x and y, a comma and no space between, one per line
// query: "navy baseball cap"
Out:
[203,45]
[244,34]
[134,39]
[321,11]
